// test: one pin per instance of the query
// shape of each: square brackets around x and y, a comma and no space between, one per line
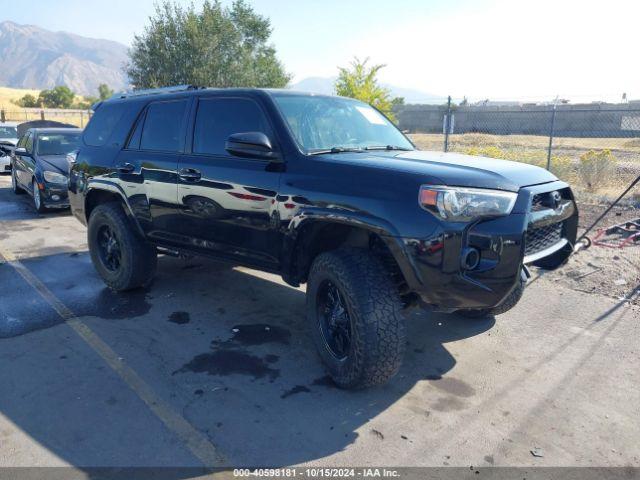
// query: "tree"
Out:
[87,103]
[360,82]
[57,97]
[104,91]
[28,101]
[216,47]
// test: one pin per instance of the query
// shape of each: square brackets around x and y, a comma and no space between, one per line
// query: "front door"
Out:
[227,201]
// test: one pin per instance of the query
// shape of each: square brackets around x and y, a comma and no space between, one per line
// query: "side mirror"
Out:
[251,145]
[22,152]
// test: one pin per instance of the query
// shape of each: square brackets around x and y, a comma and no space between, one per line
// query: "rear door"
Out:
[228,201]
[147,166]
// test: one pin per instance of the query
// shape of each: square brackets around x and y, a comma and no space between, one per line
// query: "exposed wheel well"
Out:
[97,197]
[322,237]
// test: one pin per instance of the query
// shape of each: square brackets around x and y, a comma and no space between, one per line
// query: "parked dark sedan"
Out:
[40,166]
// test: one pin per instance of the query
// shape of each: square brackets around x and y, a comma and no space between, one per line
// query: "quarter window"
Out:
[23,140]
[28,144]
[102,124]
[218,118]
[163,126]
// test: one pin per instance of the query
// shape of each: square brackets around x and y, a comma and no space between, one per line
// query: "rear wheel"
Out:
[354,312]
[37,197]
[17,189]
[121,256]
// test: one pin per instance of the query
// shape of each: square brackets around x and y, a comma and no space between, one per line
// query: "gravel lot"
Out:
[213,364]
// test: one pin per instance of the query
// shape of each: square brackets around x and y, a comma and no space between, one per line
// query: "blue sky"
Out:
[495,49]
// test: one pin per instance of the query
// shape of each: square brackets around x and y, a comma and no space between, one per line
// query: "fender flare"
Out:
[98,184]
[294,235]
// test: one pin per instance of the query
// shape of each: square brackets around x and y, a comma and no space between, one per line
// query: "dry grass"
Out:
[14,113]
[434,141]
[566,154]
[8,95]
[72,117]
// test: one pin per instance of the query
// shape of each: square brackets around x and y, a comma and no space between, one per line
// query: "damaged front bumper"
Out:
[476,266]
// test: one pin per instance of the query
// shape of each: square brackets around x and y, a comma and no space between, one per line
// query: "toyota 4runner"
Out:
[321,190]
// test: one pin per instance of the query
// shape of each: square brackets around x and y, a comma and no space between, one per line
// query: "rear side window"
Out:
[102,124]
[217,118]
[163,126]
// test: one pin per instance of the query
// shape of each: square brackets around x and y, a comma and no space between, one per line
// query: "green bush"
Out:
[28,101]
[595,168]
[563,167]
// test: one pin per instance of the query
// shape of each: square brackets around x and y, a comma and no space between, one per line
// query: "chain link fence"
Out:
[78,118]
[593,147]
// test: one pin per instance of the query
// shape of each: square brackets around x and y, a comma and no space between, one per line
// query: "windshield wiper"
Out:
[388,147]
[336,150]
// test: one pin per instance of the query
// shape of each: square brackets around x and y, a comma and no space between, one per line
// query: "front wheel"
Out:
[37,197]
[17,189]
[121,256]
[354,312]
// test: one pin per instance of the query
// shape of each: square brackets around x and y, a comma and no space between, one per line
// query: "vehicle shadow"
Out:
[227,348]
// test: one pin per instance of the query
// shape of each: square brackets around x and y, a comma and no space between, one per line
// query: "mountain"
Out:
[324,86]
[32,57]
[321,85]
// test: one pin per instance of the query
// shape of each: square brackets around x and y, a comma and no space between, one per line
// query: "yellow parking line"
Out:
[198,443]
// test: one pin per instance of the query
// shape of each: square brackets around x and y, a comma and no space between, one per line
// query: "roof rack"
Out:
[155,91]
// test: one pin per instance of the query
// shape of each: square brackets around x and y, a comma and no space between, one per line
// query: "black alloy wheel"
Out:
[110,250]
[334,320]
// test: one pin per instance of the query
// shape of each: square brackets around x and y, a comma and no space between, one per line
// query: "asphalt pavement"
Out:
[213,364]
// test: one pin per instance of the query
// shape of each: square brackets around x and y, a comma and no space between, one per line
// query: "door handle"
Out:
[190,174]
[126,168]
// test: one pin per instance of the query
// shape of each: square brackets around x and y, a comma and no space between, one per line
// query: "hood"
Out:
[9,141]
[455,169]
[55,163]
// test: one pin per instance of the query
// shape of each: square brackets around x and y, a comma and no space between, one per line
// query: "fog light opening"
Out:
[470,258]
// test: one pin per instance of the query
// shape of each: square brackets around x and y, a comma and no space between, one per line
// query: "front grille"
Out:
[537,239]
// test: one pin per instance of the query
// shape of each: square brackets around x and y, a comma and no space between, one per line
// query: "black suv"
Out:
[322,190]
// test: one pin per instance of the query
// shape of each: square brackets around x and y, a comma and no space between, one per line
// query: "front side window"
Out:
[323,123]
[57,143]
[163,126]
[218,118]
[8,132]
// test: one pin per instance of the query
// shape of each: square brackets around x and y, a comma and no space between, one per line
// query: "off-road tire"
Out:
[17,189]
[507,304]
[138,258]
[378,338]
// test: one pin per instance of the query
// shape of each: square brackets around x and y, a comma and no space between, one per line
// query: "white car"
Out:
[8,141]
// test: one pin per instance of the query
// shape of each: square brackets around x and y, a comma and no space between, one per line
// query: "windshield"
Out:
[325,123]
[57,143]
[8,132]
